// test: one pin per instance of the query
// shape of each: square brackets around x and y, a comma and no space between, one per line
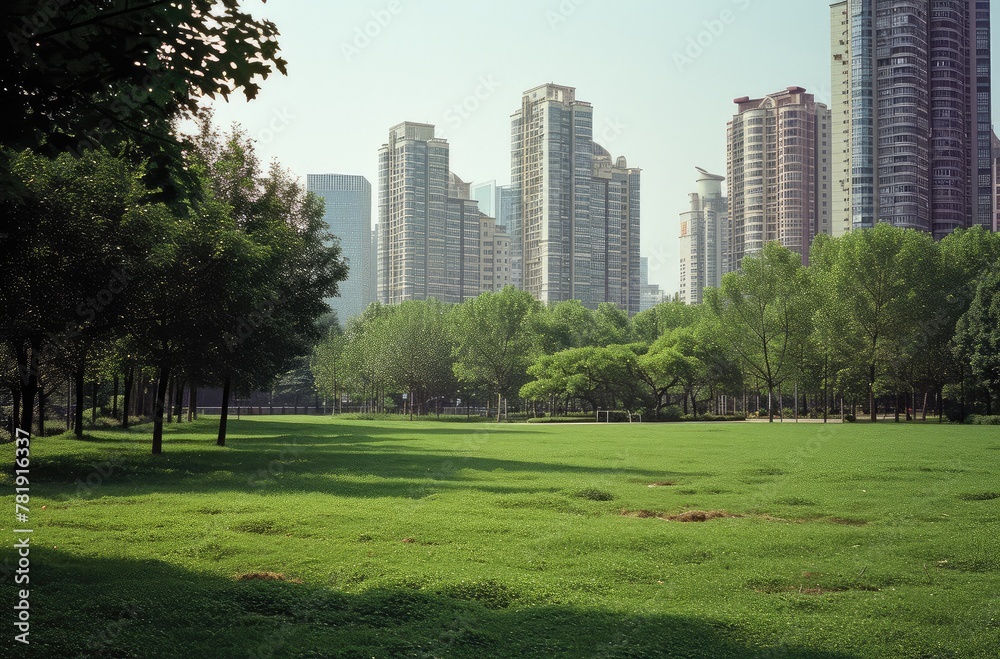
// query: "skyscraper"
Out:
[705,235]
[348,215]
[912,103]
[778,166]
[428,240]
[575,220]
[614,216]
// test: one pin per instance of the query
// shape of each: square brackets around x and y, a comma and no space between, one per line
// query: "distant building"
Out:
[778,166]
[996,182]
[650,294]
[575,219]
[705,253]
[497,201]
[428,239]
[911,109]
[615,232]
[495,257]
[348,215]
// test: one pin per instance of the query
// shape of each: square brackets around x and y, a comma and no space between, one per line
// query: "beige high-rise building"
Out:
[705,234]
[429,240]
[495,255]
[778,166]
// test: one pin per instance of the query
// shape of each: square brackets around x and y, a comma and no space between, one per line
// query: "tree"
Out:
[493,341]
[978,336]
[881,280]
[418,354]
[761,312]
[93,73]
[77,236]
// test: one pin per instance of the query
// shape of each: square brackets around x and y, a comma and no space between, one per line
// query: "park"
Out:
[312,536]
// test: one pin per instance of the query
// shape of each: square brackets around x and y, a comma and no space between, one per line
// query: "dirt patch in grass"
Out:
[265,576]
[662,484]
[845,521]
[776,587]
[686,516]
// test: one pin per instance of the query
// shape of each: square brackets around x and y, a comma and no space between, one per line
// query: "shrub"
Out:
[983,420]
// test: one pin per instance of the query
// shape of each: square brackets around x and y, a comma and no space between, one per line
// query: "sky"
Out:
[661,75]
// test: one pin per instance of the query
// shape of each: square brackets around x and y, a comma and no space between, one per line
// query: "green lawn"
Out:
[476,540]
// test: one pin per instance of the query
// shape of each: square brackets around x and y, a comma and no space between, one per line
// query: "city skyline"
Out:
[470,100]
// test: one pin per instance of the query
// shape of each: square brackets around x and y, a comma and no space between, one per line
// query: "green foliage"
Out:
[983,420]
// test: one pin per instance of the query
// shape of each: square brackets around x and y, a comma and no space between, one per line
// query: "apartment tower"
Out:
[575,215]
[705,235]
[429,230]
[911,111]
[778,166]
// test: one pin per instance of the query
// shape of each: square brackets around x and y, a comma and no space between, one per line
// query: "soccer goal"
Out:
[618,416]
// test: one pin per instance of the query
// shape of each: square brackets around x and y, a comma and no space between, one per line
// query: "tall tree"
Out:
[762,312]
[494,342]
[882,279]
[91,73]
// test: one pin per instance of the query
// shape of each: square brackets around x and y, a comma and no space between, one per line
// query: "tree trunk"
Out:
[897,408]
[770,404]
[224,412]
[498,407]
[93,403]
[114,397]
[27,366]
[170,399]
[159,403]
[127,400]
[78,412]
[15,413]
[41,412]
[179,401]
[193,403]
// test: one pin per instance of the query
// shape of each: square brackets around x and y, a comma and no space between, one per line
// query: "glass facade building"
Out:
[914,108]
[348,201]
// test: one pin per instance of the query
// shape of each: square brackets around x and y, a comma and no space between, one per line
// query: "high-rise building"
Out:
[614,217]
[348,215]
[911,108]
[996,182]
[778,166]
[495,258]
[429,242]
[705,234]
[575,218]
[650,294]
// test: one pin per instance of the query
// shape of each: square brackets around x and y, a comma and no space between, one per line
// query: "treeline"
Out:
[131,253]
[884,319]
[105,282]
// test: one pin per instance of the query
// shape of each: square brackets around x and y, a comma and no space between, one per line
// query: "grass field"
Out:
[308,537]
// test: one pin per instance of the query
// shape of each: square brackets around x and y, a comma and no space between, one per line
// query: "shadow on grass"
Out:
[113,607]
[359,466]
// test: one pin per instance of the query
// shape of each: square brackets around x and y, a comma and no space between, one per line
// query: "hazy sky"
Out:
[660,99]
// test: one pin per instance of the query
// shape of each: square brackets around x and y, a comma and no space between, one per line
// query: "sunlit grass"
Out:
[312,537]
